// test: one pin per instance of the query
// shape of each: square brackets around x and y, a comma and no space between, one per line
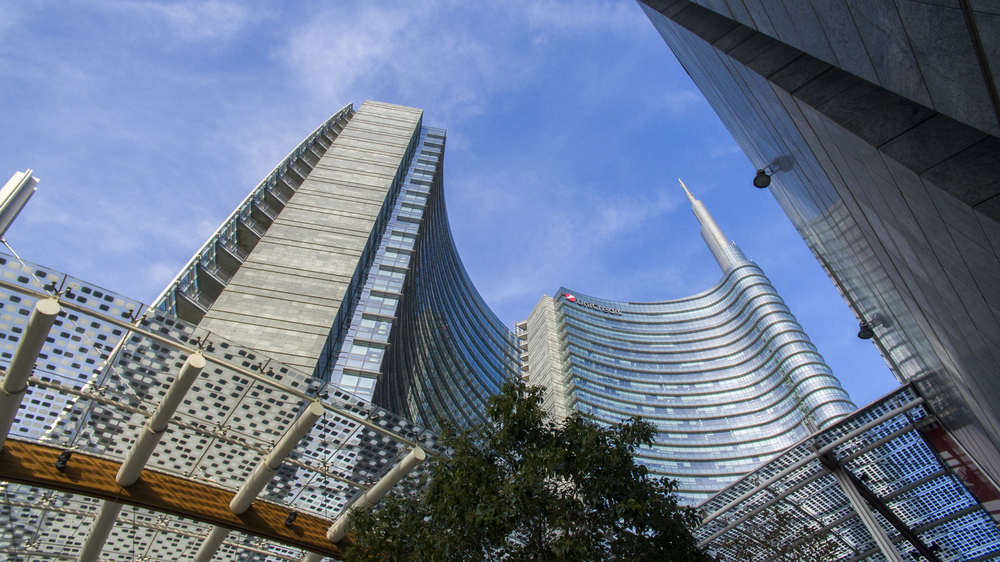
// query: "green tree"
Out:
[780,534]
[524,489]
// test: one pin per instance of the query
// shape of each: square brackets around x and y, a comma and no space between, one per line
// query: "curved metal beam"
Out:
[33,464]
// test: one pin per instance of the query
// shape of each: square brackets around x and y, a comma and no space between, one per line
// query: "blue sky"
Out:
[568,124]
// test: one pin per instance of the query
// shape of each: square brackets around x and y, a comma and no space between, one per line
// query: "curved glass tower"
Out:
[728,376]
[447,352]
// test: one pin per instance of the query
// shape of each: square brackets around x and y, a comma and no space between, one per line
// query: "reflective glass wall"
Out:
[727,376]
[893,171]
[446,352]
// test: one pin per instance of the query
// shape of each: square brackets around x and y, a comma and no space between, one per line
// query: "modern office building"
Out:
[877,124]
[149,433]
[727,376]
[341,264]
[337,280]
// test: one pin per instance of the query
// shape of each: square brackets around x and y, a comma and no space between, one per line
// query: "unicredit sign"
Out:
[593,306]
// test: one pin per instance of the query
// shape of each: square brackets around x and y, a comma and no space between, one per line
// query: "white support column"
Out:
[143,447]
[15,382]
[342,525]
[211,545]
[861,507]
[156,425]
[312,557]
[14,196]
[272,462]
[99,532]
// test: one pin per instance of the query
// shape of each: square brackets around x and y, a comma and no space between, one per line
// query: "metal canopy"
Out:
[885,448]
[108,362]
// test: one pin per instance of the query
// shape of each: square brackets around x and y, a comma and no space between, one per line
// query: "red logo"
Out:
[569,297]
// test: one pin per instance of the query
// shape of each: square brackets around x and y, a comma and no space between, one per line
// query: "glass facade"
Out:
[890,172]
[727,376]
[447,352]
[421,341]
[358,348]
[877,116]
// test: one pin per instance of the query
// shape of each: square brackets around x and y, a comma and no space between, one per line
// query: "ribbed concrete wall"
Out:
[544,362]
[285,297]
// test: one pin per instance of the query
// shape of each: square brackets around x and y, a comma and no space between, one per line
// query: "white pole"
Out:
[14,196]
[871,523]
[211,545]
[342,525]
[152,432]
[99,532]
[312,557]
[15,383]
[272,462]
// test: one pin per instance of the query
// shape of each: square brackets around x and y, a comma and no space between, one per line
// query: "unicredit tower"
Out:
[727,376]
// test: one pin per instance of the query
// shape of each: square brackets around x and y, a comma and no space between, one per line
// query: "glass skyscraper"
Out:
[341,264]
[727,376]
[878,123]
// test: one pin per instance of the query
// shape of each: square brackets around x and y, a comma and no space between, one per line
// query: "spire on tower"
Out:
[690,197]
[726,254]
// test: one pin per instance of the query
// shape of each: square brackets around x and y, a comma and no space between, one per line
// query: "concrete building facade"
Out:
[341,264]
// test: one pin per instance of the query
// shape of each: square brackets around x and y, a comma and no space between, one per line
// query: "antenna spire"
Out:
[688,193]
[726,254]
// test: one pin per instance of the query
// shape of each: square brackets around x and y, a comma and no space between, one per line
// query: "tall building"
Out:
[727,376]
[337,280]
[878,124]
[341,263]
[335,284]
[292,304]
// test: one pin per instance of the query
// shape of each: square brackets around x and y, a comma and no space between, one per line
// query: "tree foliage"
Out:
[778,534]
[524,489]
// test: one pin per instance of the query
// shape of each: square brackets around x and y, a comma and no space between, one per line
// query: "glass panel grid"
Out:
[890,469]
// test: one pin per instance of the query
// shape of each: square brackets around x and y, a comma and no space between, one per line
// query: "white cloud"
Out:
[11,16]
[601,17]
[454,58]
[623,214]
[333,57]
[681,101]
[155,276]
[403,52]
[208,20]
[189,20]
[533,232]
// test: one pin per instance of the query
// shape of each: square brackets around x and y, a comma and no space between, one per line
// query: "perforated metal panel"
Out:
[95,384]
[893,460]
